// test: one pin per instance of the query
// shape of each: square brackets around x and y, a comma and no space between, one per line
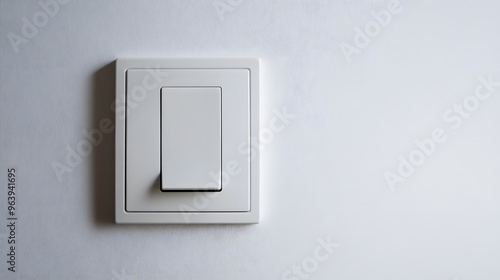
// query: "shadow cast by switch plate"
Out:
[103,156]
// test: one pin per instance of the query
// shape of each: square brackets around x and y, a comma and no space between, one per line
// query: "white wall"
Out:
[322,177]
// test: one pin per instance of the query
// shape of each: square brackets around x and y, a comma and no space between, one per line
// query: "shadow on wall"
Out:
[103,159]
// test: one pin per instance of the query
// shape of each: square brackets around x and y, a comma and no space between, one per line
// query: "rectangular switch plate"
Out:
[184,179]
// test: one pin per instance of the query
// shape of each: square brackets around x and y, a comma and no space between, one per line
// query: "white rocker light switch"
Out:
[190,138]
[185,130]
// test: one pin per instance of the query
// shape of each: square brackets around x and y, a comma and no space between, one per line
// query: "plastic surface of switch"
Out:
[190,138]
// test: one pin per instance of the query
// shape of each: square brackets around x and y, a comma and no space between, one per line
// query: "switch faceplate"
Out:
[183,140]
[190,138]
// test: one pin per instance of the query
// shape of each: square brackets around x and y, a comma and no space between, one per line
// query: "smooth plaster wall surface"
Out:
[323,176]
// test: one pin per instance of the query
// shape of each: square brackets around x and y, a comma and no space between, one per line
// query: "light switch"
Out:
[185,130]
[190,138]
